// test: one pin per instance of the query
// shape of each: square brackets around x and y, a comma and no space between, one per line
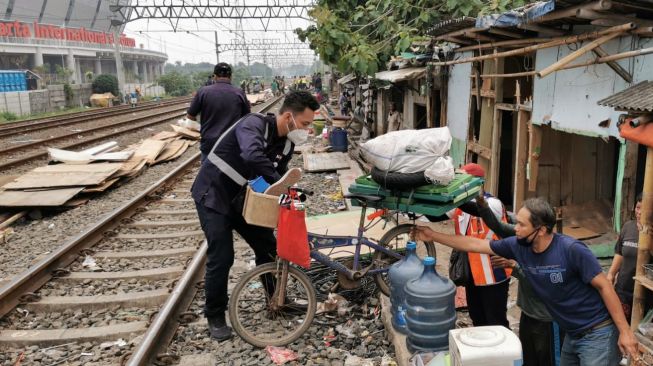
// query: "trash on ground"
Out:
[352,360]
[280,355]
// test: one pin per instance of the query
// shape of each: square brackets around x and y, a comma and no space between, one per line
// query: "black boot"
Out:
[218,328]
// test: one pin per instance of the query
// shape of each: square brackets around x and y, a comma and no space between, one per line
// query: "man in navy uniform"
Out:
[219,104]
[255,145]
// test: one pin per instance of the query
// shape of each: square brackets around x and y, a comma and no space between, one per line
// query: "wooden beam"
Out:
[496,150]
[462,32]
[542,29]
[509,43]
[477,36]
[596,61]
[553,43]
[576,54]
[534,152]
[457,40]
[521,159]
[505,33]
[614,65]
[611,19]
[479,149]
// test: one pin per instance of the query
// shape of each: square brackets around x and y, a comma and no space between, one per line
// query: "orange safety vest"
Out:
[482,271]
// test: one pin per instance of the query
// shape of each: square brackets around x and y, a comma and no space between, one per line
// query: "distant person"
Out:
[395,119]
[343,103]
[210,80]
[219,106]
[133,99]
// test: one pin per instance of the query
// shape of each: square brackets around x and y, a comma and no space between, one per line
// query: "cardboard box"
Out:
[261,209]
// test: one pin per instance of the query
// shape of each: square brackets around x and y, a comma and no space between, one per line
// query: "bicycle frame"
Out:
[320,241]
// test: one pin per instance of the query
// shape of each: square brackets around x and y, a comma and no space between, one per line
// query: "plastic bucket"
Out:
[259,185]
[318,126]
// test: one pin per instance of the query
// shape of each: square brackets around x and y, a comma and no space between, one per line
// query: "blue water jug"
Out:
[406,269]
[430,310]
[338,139]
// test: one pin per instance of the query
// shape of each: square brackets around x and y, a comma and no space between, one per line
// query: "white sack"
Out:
[412,151]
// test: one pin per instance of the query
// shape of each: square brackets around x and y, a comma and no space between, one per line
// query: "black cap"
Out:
[222,70]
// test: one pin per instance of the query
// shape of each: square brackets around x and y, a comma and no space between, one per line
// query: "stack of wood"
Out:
[92,170]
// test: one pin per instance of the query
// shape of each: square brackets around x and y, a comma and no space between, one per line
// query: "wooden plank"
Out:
[102,187]
[496,151]
[324,162]
[485,136]
[186,132]
[534,151]
[150,149]
[477,148]
[521,159]
[347,177]
[65,175]
[170,150]
[53,197]
[165,135]
[4,179]
[131,167]
[580,233]
[181,150]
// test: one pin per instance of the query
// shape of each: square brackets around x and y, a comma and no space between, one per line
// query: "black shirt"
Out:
[627,247]
[220,105]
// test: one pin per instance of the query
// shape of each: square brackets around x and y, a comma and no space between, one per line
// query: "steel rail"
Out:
[38,125]
[36,276]
[90,130]
[41,154]
[160,333]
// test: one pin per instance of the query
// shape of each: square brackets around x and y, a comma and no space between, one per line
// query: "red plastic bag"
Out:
[292,236]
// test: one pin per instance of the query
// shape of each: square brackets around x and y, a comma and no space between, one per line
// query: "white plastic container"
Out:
[484,346]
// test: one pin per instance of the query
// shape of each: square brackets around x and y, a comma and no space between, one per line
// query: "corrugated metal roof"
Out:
[401,75]
[451,25]
[638,97]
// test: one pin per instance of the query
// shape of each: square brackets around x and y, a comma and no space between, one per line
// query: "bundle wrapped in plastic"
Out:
[413,151]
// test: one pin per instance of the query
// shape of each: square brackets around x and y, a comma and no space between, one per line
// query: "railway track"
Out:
[12,156]
[32,125]
[131,276]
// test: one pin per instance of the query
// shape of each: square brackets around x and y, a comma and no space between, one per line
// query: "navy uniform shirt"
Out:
[246,150]
[220,105]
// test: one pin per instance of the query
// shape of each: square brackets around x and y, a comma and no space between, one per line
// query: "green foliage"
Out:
[106,83]
[361,35]
[176,84]
[42,70]
[89,75]
[63,72]
[68,93]
[8,116]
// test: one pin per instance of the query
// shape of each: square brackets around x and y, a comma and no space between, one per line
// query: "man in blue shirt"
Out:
[220,105]
[255,145]
[564,273]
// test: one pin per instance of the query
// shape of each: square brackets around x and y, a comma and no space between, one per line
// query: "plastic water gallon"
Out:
[487,346]
[338,139]
[408,268]
[430,310]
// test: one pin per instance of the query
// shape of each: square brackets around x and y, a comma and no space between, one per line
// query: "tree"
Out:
[106,83]
[176,84]
[361,35]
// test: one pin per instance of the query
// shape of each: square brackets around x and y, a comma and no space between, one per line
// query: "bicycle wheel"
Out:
[396,240]
[251,314]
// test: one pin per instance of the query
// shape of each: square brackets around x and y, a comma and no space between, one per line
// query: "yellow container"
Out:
[261,209]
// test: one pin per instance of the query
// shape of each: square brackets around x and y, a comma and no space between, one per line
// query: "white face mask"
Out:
[297,136]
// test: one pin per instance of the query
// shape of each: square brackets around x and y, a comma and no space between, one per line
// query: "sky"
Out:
[195,39]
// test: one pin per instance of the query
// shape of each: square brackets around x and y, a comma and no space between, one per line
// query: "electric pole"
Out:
[217,48]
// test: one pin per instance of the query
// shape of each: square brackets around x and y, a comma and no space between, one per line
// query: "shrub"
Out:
[8,116]
[106,83]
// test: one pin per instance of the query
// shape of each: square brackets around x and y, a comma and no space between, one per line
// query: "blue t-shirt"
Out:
[561,277]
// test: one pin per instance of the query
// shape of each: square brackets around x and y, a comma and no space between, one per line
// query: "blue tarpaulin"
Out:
[517,16]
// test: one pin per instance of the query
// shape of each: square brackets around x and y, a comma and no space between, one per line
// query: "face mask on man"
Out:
[528,240]
[297,136]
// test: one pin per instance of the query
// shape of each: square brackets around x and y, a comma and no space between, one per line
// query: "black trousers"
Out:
[541,341]
[218,229]
[488,304]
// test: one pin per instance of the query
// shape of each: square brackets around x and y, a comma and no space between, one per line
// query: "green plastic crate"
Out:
[421,207]
[459,180]
[466,187]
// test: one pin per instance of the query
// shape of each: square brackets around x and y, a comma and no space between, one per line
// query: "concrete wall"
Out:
[44,100]
[148,90]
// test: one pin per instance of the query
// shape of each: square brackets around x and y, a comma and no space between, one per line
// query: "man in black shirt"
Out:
[220,105]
